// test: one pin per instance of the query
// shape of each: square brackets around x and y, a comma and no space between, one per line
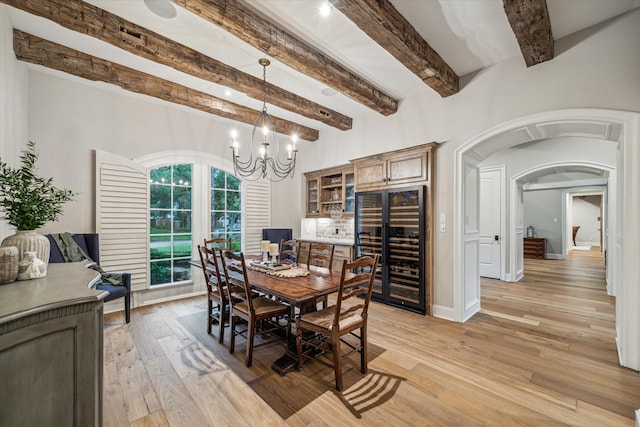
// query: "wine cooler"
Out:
[392,223]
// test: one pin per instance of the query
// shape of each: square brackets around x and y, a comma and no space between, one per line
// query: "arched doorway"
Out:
[616,126]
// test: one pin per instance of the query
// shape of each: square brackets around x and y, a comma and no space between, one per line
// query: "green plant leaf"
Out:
[27,200]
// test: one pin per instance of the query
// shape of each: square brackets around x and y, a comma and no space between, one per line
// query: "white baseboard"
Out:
[443,312]
[519,275]
[171,298]
[638,418]
[554,256]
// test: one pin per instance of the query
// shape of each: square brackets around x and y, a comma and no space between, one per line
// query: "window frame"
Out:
[226,231]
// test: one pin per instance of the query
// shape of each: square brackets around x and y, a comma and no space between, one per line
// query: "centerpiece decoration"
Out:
[27,202]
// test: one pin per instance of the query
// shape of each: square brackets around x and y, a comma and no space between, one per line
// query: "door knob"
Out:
[496,237]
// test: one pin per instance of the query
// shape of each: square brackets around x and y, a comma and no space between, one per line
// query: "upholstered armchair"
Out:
[89,242]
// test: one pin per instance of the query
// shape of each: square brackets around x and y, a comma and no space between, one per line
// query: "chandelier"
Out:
[261,164]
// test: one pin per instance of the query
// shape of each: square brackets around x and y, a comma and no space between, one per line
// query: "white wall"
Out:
[586,213]
[13,103]
[69,119]
[68,116]
[543,210]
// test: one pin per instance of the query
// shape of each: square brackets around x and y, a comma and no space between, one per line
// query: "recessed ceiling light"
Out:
[325,8]
[227,92]
[162,8]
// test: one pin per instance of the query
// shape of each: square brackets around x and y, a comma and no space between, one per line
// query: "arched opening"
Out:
[617,127]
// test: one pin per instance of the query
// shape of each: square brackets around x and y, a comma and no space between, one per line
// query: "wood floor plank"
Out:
[541,352]
[139,395]
[157,419]
[113,404]
[177,402]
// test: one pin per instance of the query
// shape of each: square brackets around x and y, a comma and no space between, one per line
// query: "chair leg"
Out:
[209,314]
[363,349]
[222,322]
[232,343]
[127,308]
[337,361]
[299,346]
[250,333]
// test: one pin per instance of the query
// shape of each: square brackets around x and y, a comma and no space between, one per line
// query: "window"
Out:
[226,207]
[170,223]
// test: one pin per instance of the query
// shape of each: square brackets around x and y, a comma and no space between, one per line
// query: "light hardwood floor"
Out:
[541,353]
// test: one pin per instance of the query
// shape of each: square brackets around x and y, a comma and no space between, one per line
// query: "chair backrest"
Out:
[211,269]
[89,242]
[289,250]
[219,243]
[274,235]
[235,271]
[320,254]
[364,272]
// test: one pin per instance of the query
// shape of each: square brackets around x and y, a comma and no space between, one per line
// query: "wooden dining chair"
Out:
[321,254]
[255,310]
[223,243]
[289,251]
[217,294]
[345,317]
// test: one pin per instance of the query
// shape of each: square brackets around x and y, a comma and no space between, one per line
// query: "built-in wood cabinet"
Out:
[401,167]
[394,218]
[330,192]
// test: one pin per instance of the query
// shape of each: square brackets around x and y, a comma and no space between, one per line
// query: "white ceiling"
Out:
[468,34]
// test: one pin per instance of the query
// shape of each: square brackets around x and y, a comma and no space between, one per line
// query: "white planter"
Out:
[29,241]
[8,264]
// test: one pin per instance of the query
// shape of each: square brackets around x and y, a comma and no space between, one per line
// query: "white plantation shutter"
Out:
[122,217]
[257,213]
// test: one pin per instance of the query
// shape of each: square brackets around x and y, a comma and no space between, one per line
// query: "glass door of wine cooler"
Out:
[405,262]
[369,232]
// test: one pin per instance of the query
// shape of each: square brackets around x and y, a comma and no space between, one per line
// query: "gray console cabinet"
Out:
[51,349]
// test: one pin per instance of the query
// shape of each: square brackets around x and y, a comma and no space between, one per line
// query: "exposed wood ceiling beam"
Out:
[85,18]
[35,50]
[530,22]
[384,24]
[239,20]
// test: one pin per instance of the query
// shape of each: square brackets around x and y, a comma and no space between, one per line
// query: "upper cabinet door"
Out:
[403,170]
[371,173]
[395,168]
[313,198]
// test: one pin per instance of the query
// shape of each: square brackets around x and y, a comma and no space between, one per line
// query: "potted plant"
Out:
[27,202]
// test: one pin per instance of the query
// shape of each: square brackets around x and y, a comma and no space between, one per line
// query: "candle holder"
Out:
[274,251]
[264,246]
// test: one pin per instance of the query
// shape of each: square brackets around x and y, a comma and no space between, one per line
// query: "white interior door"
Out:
[490,222]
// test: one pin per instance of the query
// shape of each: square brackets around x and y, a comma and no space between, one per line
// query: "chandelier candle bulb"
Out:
[289,152]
